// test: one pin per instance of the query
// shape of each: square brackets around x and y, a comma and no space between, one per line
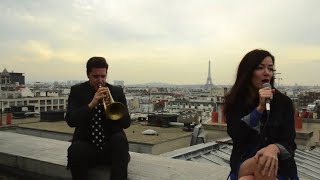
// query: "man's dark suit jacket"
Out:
[79,115]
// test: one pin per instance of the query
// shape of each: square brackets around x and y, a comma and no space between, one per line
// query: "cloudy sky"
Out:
[168,41]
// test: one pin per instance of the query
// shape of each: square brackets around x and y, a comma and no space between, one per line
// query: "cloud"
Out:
[35,51]
[38,52]
[298,54]
[292,73]
[146,38]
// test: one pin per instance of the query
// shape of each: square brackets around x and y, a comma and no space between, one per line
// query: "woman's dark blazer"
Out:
[280,129]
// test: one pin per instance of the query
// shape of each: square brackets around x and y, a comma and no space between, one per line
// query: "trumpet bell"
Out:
[115,111]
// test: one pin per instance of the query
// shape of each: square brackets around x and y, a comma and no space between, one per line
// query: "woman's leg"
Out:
[247,168]
[247,178]
[248,171]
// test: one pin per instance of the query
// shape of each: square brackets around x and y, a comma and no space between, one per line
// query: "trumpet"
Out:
[113,110]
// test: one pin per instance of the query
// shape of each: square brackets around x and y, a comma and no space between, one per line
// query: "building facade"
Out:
[41,103]
[11,78]
[307,98]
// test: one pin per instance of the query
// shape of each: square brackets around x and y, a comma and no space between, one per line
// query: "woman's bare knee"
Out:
[247,168]
[247,178]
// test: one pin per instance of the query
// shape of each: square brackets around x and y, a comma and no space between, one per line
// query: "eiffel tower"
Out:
[209,84]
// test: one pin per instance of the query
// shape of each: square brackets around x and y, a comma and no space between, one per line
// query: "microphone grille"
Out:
[266,85]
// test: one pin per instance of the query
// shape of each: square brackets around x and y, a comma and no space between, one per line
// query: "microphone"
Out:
[267,100]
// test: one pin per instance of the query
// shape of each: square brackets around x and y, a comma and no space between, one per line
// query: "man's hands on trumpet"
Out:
[100,93]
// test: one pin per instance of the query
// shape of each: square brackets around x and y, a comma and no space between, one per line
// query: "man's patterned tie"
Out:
[97,135]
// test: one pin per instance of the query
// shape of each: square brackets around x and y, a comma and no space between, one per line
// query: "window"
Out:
[19,103]
[33,101]
[55,101]
[49,101]
[42,102]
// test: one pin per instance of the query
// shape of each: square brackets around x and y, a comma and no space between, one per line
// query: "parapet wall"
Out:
[47,157]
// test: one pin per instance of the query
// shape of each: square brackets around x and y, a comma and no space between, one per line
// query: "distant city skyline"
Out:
[159,40]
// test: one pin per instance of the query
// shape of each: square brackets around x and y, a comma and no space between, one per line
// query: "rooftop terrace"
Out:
[204,161]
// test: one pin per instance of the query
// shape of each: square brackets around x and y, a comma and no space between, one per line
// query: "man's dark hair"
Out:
[96,62]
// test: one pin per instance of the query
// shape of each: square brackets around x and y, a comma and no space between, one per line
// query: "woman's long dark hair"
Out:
[240,91]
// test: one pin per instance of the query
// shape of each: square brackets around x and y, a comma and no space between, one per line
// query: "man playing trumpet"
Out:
[98,137]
